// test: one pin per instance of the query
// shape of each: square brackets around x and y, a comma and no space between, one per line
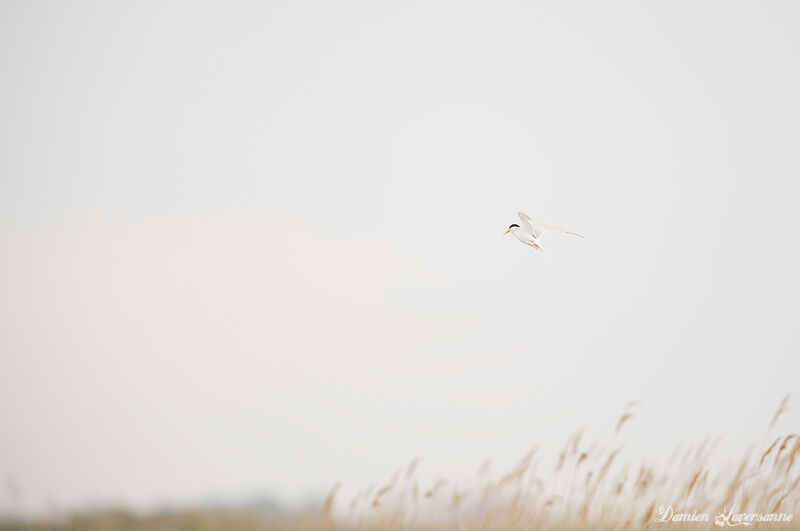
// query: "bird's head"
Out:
[511,228]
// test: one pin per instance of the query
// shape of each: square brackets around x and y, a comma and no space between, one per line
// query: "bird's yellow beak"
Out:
[506,232]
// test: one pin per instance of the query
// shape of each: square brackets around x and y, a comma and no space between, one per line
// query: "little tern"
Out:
[530,232]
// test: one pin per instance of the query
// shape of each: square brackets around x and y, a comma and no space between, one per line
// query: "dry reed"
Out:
[589,486]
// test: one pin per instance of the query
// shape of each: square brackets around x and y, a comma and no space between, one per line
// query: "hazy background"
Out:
[257,247]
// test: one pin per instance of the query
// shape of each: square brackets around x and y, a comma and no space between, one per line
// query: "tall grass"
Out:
[587,485]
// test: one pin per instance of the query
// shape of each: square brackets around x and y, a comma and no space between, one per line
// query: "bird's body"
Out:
[525,237]
[530,232]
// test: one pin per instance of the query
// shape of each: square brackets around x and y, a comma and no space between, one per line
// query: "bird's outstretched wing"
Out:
[540,228]
[527,222]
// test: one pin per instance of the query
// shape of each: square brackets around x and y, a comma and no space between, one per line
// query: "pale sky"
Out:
[259,246]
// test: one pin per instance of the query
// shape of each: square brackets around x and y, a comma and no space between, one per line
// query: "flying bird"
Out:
[530,232]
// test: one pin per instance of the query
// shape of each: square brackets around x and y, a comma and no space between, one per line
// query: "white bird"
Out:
[530,232]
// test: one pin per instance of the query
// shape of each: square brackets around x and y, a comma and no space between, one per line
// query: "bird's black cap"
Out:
[512,226]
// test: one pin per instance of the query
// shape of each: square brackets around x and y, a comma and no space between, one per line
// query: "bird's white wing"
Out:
[527,222]
[540,228]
